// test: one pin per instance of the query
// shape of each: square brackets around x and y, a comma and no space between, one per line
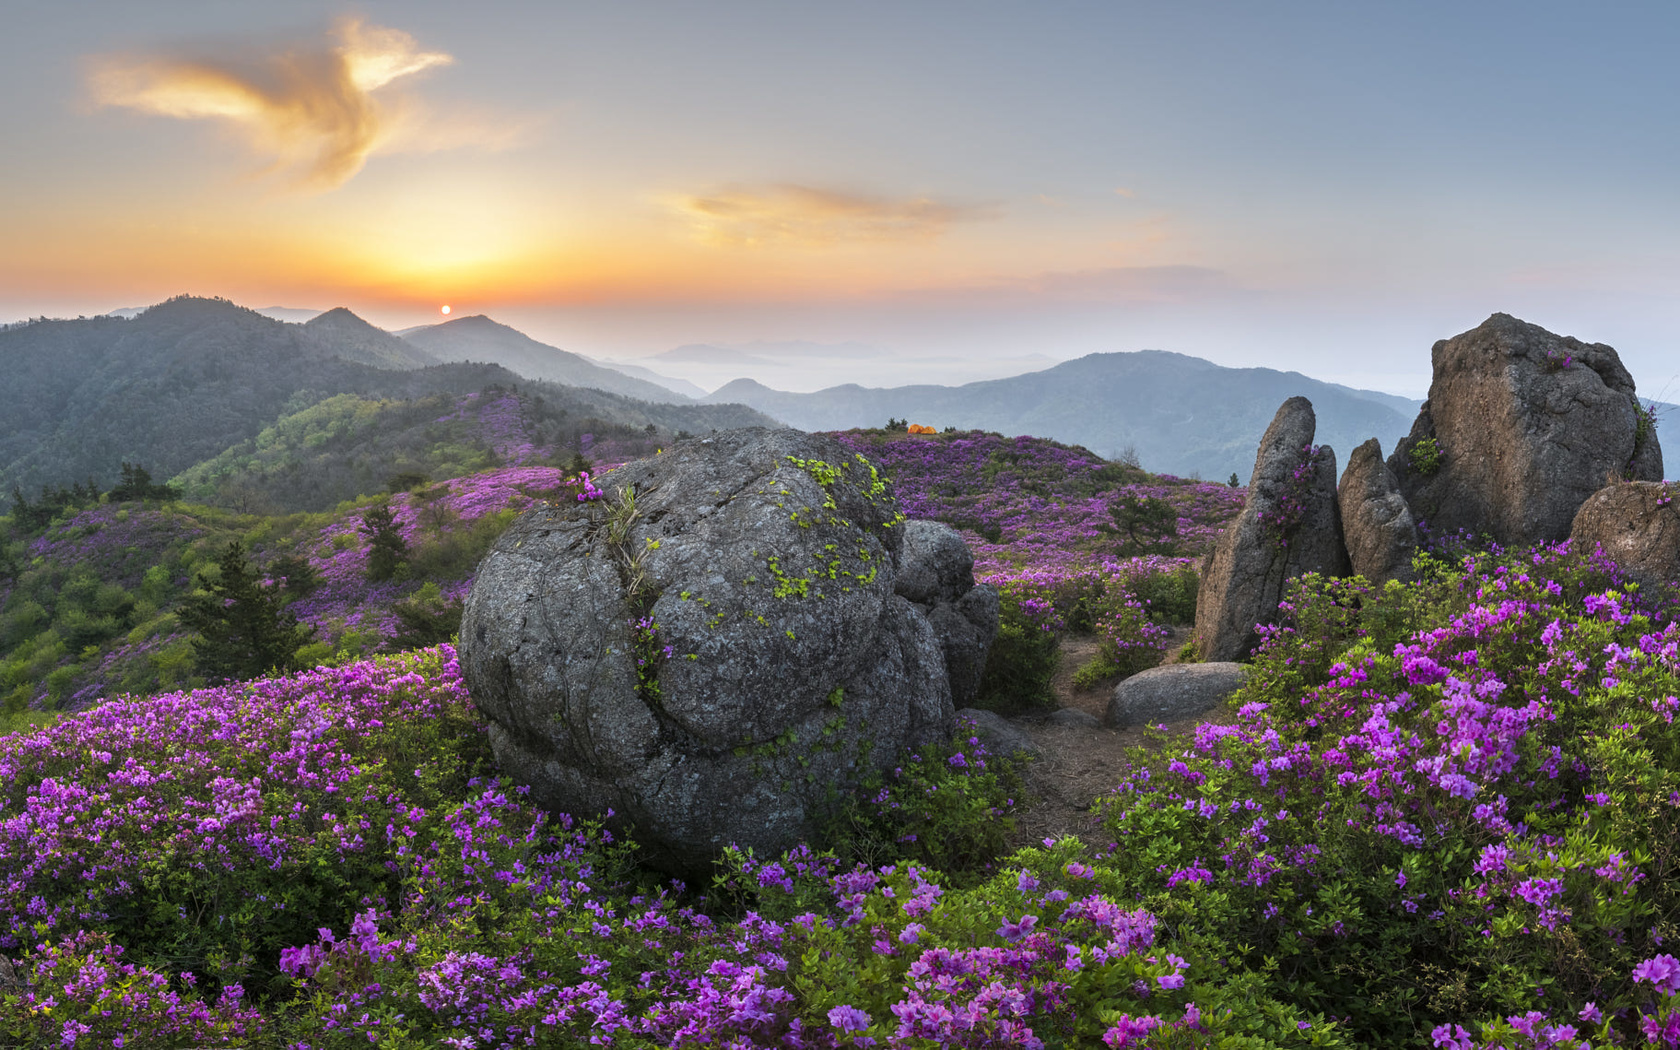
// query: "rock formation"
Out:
[936,572]
[1523,426]
[715,646]
[1289,526]
[1172,693]
[1376,523]
[997,733]
[1638,525]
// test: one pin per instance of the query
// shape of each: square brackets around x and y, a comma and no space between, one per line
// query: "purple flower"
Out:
[1014,931]
[1663,971]
[848,1019]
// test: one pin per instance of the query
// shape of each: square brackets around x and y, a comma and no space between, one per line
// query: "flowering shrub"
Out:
[1022,659]
[1030,504]
[313,861]
[1131,642]
[1449,800]
[948,805]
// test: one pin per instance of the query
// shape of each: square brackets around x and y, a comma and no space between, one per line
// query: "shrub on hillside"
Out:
[1022,661]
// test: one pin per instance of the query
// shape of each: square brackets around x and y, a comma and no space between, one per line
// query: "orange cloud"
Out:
[309,110]
[790,214]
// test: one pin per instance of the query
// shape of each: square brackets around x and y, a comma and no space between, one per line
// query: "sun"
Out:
[446,310]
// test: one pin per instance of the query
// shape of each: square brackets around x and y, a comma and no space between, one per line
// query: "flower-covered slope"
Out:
[88,610]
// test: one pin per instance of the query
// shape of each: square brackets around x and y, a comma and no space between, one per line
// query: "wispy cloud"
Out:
[791,214]
[315,111]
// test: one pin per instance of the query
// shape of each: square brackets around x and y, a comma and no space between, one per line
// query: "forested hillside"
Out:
[185,380]
[348,445]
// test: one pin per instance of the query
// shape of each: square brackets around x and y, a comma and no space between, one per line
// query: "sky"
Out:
[1323,187]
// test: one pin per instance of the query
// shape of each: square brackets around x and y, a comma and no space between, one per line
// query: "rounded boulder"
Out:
[710,650]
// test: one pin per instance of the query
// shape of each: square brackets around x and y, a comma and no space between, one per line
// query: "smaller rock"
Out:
[966,629]
[1074,718]
[999,734]
[1376,522]
[1638,525]
[934,564]
[1173,693]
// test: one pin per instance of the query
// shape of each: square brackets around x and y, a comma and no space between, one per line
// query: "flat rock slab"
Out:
[1074,717]
[1173,692]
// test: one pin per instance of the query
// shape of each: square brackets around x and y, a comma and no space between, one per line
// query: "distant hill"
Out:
[341,332]
[478,338]
[185,380]
[348,445]
[1179,414]
[680,386]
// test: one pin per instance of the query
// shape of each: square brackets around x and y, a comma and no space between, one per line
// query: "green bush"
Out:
[949,805]
[1425,456]
[1022,660]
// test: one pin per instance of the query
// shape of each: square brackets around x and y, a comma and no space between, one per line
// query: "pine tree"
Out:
[386,547]
[244,628]
[295,575]
[1144,524]
[136,484]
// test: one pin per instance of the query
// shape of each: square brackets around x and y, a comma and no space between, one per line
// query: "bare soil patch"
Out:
[1078,765]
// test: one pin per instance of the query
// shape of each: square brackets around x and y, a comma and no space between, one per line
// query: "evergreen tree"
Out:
[1145,524]
[294,574]
[136,484]
[386,547]
[244,628]
[425,618]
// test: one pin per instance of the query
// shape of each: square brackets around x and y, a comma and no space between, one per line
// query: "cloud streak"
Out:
[311,110]
[789,214]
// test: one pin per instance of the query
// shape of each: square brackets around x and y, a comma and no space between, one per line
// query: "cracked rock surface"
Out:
[782,667]
[1529,425]
[1243,577]
[1376,523]
[1638,525]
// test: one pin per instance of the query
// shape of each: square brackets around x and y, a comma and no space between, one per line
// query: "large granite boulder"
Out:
[1376,522]
[1173,693]
[711,649]
[1638,526]
[1290,525]
[936,572]
[1525,426]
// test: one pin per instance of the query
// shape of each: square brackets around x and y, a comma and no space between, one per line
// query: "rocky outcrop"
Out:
[1638,526]
[1521,426]
[936,572]
[1290,525]
[713,647]
[1377,524]
[1173,693]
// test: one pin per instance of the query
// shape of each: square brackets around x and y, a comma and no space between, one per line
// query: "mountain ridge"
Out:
[481,338]
[1141,401]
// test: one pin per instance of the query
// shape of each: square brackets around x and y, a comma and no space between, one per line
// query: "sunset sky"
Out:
[1326,187]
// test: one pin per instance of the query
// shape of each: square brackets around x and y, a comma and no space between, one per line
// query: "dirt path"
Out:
[1078,764]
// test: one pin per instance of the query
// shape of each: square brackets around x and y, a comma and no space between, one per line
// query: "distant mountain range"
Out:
[183,381]
[1179,415]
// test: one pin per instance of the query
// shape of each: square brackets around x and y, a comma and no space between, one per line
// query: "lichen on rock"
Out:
[754,580]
